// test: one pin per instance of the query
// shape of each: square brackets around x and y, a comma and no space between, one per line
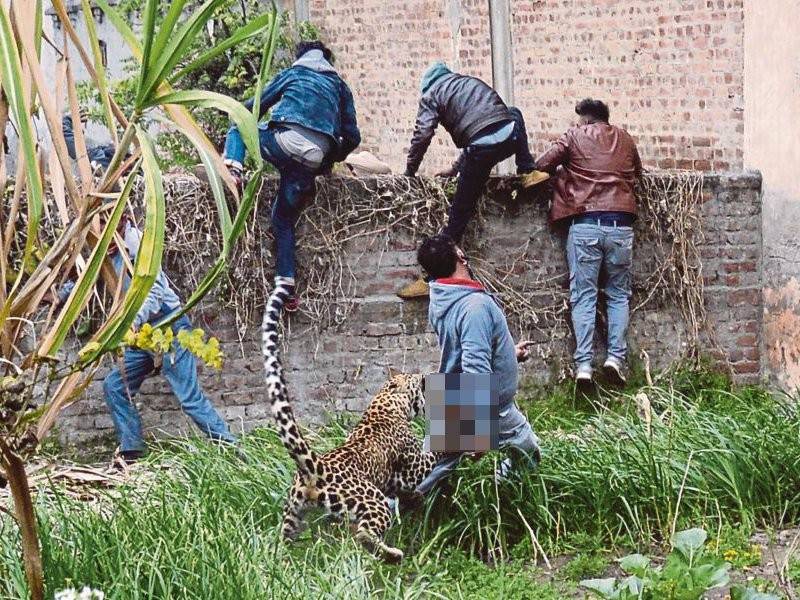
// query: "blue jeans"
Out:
[591,247]
[295,190]
[180,370]
[474,172]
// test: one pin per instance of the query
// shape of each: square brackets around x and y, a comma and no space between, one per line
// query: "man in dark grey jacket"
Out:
[479,122]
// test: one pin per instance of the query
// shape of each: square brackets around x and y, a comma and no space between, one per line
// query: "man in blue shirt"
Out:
[179,366]
[313,126]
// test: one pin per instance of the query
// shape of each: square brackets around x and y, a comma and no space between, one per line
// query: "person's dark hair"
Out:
[592,108]
[438,256]
[303,47]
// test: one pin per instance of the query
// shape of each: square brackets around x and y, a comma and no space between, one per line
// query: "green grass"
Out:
[585,566]
[794,572]
[204,524]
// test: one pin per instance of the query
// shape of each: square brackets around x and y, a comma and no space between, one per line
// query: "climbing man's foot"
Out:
[533,178]
[292,303]
[417,289]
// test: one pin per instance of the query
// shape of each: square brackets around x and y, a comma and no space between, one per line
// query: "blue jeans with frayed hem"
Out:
[180,370]
[590,249]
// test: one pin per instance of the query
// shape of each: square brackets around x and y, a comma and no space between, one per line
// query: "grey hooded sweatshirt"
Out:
[473,333]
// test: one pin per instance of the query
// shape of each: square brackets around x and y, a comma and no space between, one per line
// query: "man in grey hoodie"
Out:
[474,338]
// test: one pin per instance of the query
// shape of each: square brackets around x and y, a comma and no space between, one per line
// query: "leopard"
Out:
[380,458]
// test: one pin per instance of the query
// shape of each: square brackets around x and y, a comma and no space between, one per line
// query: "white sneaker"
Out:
[583,378]
[583,373]
[503,470]
[613,371]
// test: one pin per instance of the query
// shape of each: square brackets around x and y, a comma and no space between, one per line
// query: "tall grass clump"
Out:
[728,459]
[202,522]
[198,521]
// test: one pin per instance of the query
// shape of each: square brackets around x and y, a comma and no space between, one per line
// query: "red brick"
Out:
[739,297]
[383,47]
[753,354]
[746,341]
[747,367]
[741,267]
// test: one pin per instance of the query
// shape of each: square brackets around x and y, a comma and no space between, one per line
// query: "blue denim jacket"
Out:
[309,93]
[100,155]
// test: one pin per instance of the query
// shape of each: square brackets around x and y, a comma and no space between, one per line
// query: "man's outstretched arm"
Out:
[556,155]
[427,121]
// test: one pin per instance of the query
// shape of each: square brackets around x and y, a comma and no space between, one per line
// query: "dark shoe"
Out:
[411,502]
[125,459]
[612,369]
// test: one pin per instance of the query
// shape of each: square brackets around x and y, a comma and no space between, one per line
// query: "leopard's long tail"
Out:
[308,465]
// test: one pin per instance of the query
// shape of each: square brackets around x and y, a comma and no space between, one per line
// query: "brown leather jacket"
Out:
[599,166]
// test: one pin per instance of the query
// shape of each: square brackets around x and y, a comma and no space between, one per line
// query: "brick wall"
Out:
[672,70]
[339,369]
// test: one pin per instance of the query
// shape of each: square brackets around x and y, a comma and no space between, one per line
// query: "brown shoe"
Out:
[533,178]
[417,289]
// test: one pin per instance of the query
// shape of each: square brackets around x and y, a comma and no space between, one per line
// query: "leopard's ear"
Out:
[392,372]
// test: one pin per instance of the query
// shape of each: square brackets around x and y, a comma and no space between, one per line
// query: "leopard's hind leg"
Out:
[365,505]
[372,520]
[294,511]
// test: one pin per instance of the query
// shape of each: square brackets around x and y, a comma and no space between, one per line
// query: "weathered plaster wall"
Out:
[339,369]
[772,145]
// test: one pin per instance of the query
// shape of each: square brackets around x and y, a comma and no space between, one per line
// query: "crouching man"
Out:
[596,166]
[179,367]
[474,338]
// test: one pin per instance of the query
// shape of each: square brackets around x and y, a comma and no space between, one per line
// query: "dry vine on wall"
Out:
[353,217]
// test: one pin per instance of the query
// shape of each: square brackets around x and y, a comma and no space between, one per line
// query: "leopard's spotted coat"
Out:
[381,457]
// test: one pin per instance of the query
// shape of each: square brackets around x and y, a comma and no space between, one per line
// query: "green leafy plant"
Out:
[585,564]
[733,545]
[37,380]
[740,592]
[688,572]
[231,69]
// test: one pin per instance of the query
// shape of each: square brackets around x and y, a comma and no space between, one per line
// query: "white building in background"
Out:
[115,52]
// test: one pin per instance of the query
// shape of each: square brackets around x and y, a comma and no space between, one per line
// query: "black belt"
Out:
[605,221]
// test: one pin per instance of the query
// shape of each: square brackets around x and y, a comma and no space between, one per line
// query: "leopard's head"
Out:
[413,384]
